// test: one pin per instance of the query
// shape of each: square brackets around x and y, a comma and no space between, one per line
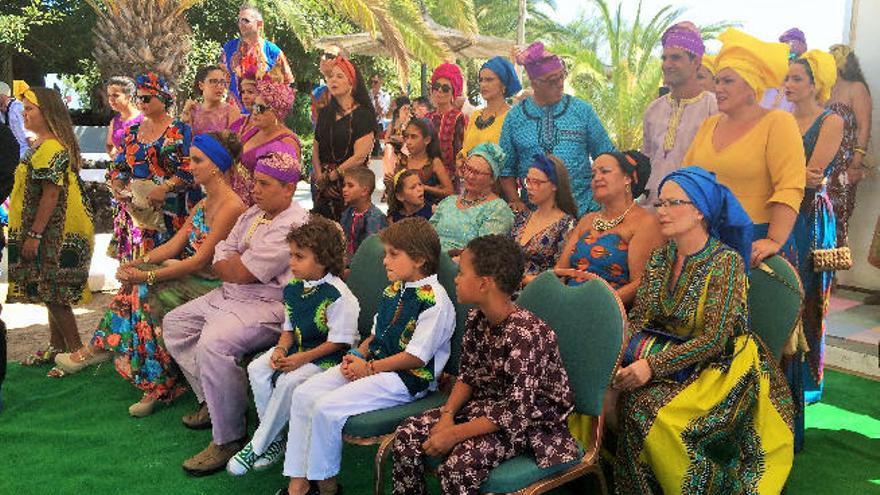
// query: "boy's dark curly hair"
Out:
[324,238]
[499,257]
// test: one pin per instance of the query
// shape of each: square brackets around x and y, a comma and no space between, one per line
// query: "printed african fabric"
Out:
[543,248]
[449,127]
[570,129]
[605,255]
[59,274]
[242,61]
[157,162]
[131,326]
[728,428]
[306,309]
[841,192]
[519,383]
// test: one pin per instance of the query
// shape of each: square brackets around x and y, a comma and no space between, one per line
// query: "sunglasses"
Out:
[666,203]
[443,88]
[329,56]
[145,99]
[259,108]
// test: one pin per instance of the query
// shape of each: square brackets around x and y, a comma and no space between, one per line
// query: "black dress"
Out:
[334,141]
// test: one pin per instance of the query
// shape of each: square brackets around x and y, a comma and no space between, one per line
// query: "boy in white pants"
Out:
[320,323]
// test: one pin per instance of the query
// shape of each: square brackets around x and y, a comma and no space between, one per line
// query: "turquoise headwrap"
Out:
[492,153]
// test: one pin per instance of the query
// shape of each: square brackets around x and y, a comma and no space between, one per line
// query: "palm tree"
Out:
[137,36]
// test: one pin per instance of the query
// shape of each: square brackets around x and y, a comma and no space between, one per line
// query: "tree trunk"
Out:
[521,24]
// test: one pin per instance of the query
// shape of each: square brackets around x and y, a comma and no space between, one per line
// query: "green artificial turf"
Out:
[74,436]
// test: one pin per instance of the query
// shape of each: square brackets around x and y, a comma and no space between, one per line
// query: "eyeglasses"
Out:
[259,108]
[216,82]
[467,169]
[329,56]
[551,81]
[530,182]
[244,20]
[443,88]
[666,203]
[374,81]
[145,99]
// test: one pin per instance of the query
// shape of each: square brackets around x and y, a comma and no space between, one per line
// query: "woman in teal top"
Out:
[477,211]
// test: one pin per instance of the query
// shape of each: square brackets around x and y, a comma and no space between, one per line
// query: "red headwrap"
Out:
[346,67]
[451,72]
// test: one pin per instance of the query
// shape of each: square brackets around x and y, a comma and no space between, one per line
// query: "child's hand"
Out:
[277,355]
[291,362]
[354,368]
[440,443]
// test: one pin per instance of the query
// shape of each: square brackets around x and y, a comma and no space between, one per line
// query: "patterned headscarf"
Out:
[538,61]
[279,165]
[684,35]
[824,70]
[762,64]
[492,153]
[451,72]
[506,73]
[796,40]
[155,85]
[278,95]
[840,54]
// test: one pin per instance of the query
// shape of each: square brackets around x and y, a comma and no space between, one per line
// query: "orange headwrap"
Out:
[346,66]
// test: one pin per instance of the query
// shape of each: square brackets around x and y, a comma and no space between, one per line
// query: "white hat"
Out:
[4,89]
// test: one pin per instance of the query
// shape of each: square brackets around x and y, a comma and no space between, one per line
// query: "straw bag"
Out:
[828,259]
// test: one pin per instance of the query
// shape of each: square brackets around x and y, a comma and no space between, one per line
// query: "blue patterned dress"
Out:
[570,129]
[603,255]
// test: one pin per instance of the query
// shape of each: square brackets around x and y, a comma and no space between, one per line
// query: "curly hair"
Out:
[325,239]
[499,257]
[417,238]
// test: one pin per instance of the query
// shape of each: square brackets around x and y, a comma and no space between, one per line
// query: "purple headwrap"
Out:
[538,61]
[796,39]
[451,72]
[279,165]
[278,95]
[684,35]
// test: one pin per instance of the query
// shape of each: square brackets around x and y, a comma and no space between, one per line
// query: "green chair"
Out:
[367,280]
[775,300]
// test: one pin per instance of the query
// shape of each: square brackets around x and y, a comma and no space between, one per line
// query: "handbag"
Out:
[651,341]
[831,258]
[142,211]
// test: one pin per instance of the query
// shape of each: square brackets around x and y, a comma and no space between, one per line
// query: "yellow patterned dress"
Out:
[60,272]
[725,429]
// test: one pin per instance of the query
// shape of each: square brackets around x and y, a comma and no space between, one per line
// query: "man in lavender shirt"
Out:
[208,336]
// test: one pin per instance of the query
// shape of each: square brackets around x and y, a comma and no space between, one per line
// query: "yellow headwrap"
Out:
[709,63]
[762,64]
[824,72]
[840,53]
[22,91]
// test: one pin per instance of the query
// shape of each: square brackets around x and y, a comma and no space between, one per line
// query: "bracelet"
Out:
[860,150]
[35,235]
[356,353]
[151,277]
[145,259]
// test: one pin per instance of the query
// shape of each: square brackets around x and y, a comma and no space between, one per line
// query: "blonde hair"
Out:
[57,119]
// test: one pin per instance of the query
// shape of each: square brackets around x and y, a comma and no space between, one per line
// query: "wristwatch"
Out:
[35,235]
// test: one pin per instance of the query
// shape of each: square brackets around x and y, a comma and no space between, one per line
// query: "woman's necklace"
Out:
[467,203]
[601,225]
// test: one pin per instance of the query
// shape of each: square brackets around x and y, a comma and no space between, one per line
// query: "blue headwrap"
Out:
[213,150]
[546,165]
[506,73]
[319,91]
[492,153]
[724,215]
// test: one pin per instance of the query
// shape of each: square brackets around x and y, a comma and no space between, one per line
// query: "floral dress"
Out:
[60,272]
[543,249]
[603,255]
[841,192]
[216,120]
[131,327]
[450,128]
[164,158]
[519,383]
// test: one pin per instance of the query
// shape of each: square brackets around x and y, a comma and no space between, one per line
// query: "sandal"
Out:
[41,357]
[56,372]
[74,362]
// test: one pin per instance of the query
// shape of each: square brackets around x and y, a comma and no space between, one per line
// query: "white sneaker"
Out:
[272,454]
[242,461]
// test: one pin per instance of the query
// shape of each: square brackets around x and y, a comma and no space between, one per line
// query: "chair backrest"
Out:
[589,321]
[775,300]
[368,279]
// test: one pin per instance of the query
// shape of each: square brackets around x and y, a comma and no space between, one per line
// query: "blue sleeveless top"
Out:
[605,256]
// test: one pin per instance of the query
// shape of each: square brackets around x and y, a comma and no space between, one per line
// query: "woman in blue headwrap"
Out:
[702,408]
[498,82]
[151,287]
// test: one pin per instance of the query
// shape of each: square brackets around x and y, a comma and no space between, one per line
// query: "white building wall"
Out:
[865,39]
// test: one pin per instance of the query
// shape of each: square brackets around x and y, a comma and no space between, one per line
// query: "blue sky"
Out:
[821,20]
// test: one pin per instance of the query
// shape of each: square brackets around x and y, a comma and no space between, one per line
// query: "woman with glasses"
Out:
[478,210]
[267,133]
[614,242]
[550,122]
[449,122]
[343,137]
[702,406]
[542,233]
[151,175]
[213,114]
[498,81]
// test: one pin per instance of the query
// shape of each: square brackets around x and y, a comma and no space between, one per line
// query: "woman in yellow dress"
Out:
[50,226]
[757,153]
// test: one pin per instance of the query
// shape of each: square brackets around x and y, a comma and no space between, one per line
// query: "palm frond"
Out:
[459,14]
